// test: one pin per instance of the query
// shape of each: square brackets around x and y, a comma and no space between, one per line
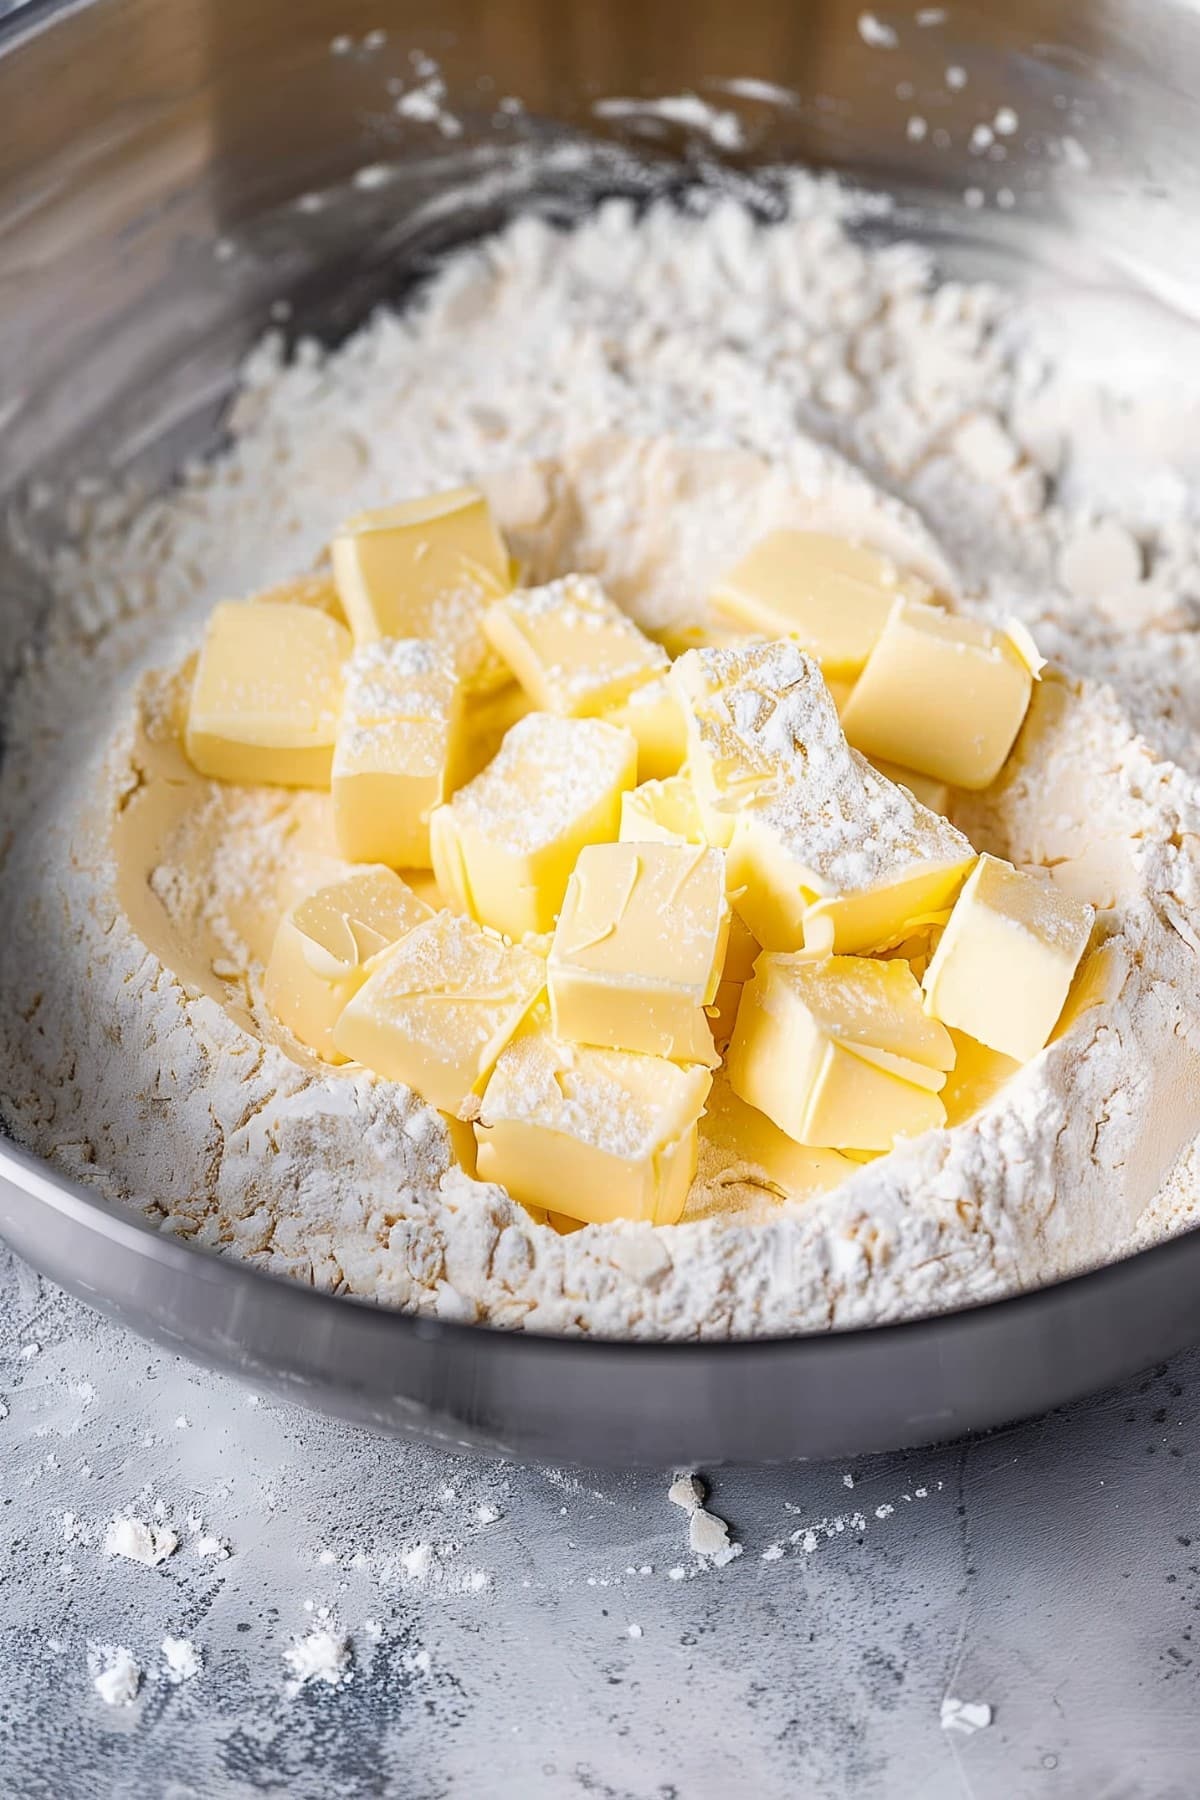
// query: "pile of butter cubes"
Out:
[645,867]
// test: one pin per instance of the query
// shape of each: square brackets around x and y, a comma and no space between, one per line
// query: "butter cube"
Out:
[318,589]
[1005,962]
[933,795]
[323,946]
[831,595]
[839,1053]
[597,1135]
[504,846]
[266,695]
[662,812]
[396,745]
[822,851]
[487,720]
[426,568]
[654,715]
[943,695]
[744,1145]
[571,647]
[639,948]
[439,1008]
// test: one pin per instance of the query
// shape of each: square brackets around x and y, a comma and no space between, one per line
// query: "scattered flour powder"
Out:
[642,397]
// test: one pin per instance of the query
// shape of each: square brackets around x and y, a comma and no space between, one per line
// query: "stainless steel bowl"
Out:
[151,161]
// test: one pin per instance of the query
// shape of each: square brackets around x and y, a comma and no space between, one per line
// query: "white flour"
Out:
[660,393]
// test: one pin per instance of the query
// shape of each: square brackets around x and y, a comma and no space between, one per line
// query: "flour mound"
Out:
[643,398]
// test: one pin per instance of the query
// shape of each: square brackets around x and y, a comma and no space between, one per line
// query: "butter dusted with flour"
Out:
[1006,960]
[662,812]
[425,568]
[943,695]
[599,1135]
[839,1054]
[572,648]
[831,595]
[436,1012]
[822,851]
[267,693]
[639,949]
[504,846]
[323,946]
[654,715]
[399,739]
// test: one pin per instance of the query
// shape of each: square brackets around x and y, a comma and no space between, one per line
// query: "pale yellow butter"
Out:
[748,1148]
[318,590]
[267,694]
[323,946]
[426,568]
[933,795]
[1005,962]
[571,647]
[504,846]
[438,1009]
[597,1135]
[654,715]
[839,1053]
[398,741]
[662,812]
[822,851]
[943,695]
[639,949]
[829,594]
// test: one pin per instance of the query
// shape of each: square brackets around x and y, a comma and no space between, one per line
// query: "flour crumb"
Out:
[116,1673]
[686,1491]
[967,1716]
[633,1631]
[678,1573]
[875,33]
[182,1659]
[139,1542]
[323,1655]
[772,1553]
[417,1562]
[708,1538]
[487,1515]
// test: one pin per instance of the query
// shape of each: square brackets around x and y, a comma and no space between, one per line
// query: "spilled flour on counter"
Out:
[642,397]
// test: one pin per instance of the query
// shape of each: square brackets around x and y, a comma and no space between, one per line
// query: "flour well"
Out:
[642,398]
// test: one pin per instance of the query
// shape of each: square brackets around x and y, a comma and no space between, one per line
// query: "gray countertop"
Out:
[571,1645]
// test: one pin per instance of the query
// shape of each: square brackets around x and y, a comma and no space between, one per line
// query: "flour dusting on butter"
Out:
[644,398]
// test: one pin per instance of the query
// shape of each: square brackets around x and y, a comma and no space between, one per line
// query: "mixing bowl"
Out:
[170,173]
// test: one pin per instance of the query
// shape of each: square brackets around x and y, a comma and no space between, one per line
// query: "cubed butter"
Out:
[831,595]
[822,851]
[1005,962]
[318,589]
[654,715]
[571,647]
[437,1011]
[426,568]
[488,719]
[943,695]
[639,949]
[399,739]
[323,946]
[504,846]
[597,1135]
[839,1053]
[662,812]
[749,1150]
[267,693]
[933,795]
